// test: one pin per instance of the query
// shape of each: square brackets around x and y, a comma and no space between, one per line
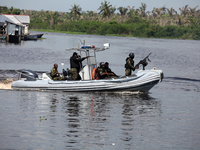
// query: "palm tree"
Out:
[75,10]
[131,11]
[184,10]
[90,13]
[163,9]
[143,9]
[112,10]
[156,12]
[193,11]
[148,14]
[180,20]
[123,10]
[11,9]
[171,11]
[193,21]
[105,9]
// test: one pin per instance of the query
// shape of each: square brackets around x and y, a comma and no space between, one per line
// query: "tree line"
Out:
[125,21]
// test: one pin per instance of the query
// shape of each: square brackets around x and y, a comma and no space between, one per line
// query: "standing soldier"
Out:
[129,64]
[75,62]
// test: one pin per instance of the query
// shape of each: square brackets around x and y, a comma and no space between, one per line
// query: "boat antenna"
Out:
[83,43]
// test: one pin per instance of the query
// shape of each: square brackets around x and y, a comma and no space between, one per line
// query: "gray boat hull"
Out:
[142,81]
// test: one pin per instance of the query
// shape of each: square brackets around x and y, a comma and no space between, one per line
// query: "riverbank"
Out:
[184,37]
[82,33]
[55,31]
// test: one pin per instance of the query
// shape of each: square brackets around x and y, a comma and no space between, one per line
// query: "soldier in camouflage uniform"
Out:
[129,64]
[54,73]
[75,64]
[109,71]
[74,74]
[102,71]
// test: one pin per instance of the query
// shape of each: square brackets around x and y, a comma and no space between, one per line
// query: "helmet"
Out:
[131,55]
[102,64]
[74,53]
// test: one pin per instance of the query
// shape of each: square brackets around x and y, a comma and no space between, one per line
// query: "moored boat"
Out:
[32,37]
[39,35]
[29,37]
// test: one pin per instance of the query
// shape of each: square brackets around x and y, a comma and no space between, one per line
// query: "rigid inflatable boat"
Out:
[141,81]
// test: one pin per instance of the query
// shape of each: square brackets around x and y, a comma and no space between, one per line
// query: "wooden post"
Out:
[7,38]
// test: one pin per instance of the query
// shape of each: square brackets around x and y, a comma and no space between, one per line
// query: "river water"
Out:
[167,117]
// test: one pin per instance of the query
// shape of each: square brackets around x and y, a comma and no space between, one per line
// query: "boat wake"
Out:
[6,84]
[187,84]
[7,77]
[181,79]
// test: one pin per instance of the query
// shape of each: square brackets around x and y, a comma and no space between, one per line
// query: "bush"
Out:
[196,34]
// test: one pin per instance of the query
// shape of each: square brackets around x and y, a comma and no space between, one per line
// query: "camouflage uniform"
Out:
[110,73]
[102,70]
[55,75]
[129,66]
[75,65]
[74,73]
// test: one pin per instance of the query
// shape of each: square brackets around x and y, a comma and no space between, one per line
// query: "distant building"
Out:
[14,26]
[23,20]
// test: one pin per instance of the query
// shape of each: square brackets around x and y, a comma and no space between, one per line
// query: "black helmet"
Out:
[131,55]
[74,53]
[102,64]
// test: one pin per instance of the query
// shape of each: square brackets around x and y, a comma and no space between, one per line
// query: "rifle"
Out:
[143,62]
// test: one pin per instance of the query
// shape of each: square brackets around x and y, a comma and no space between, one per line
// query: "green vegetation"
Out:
[158,23]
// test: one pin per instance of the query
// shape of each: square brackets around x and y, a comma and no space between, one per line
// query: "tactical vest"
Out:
[127,66]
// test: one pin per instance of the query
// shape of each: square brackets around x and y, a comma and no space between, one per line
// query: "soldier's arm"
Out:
[81,59]
[53,73]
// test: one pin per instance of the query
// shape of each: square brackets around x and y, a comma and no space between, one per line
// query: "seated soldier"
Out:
[109,71]
[101,71]
[54,73]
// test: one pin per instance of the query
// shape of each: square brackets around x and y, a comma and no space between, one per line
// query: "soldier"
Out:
[109,71]
[129,64]
[101,71]
[54,73]
[75,64]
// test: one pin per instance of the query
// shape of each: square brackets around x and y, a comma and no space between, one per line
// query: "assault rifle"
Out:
[143,62]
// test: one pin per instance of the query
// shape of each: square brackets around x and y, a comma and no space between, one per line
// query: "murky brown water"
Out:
[165,118]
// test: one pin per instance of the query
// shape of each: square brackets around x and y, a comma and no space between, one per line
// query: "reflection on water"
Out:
[140,116]
[80,121]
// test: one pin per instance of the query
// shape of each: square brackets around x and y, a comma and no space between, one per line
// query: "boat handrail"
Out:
[85,48]
[88,49]
[20,73]
[91,61]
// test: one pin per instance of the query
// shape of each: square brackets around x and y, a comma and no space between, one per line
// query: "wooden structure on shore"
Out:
[2,27]
[13,32]
[13,27]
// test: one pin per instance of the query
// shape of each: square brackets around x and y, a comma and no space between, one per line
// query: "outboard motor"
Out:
[29,75]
